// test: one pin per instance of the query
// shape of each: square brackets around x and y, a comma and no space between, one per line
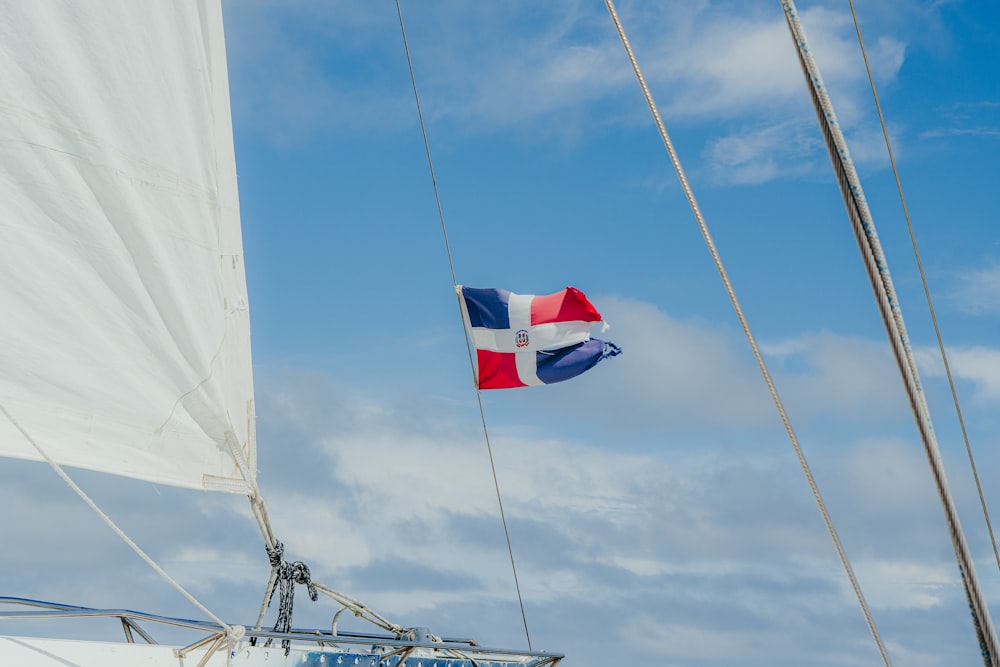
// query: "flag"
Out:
[524,339]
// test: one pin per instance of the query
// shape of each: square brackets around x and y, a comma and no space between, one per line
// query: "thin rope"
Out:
[888,304]
[288,574]
[360,609]
[268,593]
[279,568]
[231,631]
[927,291]
[468,346]
[689,193]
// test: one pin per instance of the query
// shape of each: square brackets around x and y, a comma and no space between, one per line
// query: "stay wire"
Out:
[927,291]
[468,346]
[232,631]
[696,210]
[888,305]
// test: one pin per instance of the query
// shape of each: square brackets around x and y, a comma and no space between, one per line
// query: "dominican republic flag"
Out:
[523,339]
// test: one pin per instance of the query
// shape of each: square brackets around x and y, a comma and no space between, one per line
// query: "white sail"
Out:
[125,337]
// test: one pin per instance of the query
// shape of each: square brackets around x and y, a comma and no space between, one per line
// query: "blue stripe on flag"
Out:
[487,307]
[568,362]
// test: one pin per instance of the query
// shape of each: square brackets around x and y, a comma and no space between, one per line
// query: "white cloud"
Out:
[393,502]
[763,154]
[682,373]
[199,565]
[829,374]
[489,69]
[906,585]
[979,365]
[979,293]
[576,512]
[675,372]
[282,85]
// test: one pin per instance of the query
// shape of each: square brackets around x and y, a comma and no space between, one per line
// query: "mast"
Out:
[885,296]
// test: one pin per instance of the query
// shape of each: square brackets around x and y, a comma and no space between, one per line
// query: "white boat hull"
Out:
[45,652]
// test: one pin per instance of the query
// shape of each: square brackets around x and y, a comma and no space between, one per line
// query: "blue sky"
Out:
[656,509]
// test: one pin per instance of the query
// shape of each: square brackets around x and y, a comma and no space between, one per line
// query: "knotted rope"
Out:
[285,575]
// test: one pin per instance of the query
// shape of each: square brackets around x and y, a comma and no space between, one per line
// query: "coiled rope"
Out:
[689,193]
[888,304]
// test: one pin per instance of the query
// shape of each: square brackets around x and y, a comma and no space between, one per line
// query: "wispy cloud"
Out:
[979,291]
[722,65]
[392,501]
[683,372]
[641,533]
[829,374]
[761,155]
[977,119]
[981,131]
[978,365]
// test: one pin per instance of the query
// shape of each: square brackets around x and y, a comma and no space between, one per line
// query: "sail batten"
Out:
[126,341]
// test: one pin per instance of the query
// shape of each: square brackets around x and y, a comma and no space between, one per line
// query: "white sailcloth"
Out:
[124,330]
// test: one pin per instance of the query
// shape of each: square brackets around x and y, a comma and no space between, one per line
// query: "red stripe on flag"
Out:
[569,305]
[497,370]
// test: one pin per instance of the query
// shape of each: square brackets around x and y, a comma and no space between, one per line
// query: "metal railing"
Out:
[388,649]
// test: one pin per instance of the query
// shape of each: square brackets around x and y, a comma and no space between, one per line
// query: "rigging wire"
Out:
[927,291]
[468,346]
[892,318]
[689,193]
[233,632]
